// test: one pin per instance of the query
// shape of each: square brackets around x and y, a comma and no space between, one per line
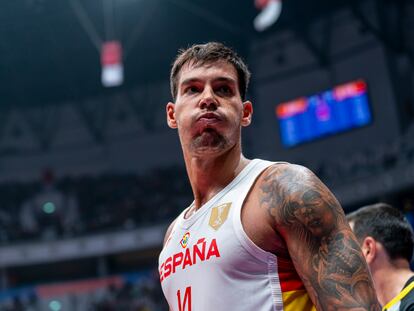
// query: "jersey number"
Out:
[184,304]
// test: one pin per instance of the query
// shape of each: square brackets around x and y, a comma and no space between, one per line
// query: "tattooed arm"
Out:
[321,244]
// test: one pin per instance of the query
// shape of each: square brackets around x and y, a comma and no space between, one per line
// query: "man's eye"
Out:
[191,89]
[224,89]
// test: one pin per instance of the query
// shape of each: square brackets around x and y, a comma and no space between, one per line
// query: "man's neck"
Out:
[209,175]
[390,280]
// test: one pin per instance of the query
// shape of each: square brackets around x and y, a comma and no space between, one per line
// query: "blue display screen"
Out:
[342,108]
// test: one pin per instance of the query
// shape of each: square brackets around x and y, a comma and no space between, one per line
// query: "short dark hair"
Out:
[200,54]
[387,225]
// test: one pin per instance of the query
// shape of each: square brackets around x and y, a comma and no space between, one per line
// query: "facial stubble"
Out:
[209,139]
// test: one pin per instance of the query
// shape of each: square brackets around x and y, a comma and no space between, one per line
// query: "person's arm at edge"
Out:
[323,248]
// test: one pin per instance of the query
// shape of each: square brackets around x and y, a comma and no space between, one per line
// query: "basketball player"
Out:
[259,235]
[387,243]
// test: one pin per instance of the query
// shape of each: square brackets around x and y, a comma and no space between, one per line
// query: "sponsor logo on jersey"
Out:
[184,240]
[219,215]
[196,254]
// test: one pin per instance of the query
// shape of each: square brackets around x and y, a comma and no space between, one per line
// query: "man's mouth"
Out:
[209,116]
[208,120]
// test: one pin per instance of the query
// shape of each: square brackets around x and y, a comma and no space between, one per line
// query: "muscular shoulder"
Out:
[294,195]
[287,178]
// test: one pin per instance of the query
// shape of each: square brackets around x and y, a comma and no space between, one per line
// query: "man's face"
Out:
[208,111]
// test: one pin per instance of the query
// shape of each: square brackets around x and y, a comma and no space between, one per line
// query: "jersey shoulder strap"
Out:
[399,297]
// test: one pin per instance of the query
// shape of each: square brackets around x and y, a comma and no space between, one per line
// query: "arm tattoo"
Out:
[322,246]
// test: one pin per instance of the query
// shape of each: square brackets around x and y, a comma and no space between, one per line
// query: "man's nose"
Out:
[208,101]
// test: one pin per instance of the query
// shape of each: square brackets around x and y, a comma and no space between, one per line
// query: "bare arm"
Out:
[322,246]
[168,232]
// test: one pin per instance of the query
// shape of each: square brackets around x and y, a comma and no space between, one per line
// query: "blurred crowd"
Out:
[371,161]
[120,293]
[73,206]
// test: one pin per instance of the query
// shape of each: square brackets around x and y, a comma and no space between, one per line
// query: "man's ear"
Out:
[171,121]
[247,113]
[369,249]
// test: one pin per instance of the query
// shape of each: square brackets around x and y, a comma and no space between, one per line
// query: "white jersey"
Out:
[209,263]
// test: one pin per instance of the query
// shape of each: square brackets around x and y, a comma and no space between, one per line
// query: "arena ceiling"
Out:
[49,50]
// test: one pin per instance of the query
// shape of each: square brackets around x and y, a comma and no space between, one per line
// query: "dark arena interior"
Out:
[90,174]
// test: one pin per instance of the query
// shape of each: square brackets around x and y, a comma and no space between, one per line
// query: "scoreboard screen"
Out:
[336,110]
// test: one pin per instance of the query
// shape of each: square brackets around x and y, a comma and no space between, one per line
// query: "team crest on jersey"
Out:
[184,240]
[219,215]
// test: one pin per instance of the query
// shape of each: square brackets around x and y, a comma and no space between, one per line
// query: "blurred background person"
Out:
[386,239]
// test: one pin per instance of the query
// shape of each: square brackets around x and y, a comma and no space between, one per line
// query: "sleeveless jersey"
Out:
[209,263]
